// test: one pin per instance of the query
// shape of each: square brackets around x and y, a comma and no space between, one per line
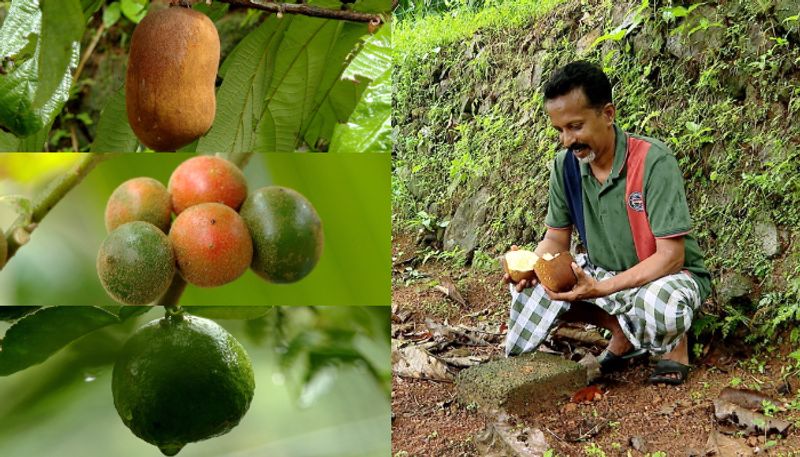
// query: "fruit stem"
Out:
[45,201]
[173,294]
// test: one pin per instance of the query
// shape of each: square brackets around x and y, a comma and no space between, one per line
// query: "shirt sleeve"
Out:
[557,210]
[665,199]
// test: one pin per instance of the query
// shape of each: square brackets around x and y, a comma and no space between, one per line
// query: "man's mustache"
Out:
[577,147]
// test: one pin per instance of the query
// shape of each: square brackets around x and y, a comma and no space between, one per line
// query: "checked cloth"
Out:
[652,316]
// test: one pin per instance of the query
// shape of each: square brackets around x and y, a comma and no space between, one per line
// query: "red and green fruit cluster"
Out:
[276,232]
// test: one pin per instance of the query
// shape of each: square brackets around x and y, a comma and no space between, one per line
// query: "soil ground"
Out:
[668,420]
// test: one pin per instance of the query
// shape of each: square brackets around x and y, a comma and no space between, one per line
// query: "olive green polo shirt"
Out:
[609,239]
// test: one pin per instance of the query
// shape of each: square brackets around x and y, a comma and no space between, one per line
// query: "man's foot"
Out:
[619,344]
[674,367]
[617,354]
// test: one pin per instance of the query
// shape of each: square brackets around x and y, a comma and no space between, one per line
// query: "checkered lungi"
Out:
[653,316]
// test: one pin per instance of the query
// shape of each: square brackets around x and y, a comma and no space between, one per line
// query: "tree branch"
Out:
[308,10]
[20,231]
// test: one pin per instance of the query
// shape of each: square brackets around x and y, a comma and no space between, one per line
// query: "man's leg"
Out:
[589,313]
[680,354]
[661,315]
[531,318]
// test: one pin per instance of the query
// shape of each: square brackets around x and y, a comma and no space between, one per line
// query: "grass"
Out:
[433,31]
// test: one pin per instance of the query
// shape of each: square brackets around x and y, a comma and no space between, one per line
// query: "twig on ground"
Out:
[582,336]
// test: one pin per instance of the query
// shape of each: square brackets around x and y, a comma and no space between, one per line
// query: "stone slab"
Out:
[528,383]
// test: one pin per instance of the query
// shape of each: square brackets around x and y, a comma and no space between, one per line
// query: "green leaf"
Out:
[229,312]
[62,28]
[20,31]
[34,338]
[19,87]
[369,128]
[373,6]
[12,313]
[335,109]
[248,68]
[111,14]
[128,312]
[114,134]
[375,58]
[214,11]
[90,7]
[290,67]
[135,10]
[308,66]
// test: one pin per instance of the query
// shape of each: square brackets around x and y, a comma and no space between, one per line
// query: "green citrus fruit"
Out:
[182,379]
[139,199]
[212,244]
[286,231]
[136,263]
[207,179]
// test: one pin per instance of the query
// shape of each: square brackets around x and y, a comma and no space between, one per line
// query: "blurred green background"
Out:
[64,406]
[351,193]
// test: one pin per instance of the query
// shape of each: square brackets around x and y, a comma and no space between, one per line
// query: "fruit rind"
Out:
[556,274]
[182,379]
[135,263]
[287,233]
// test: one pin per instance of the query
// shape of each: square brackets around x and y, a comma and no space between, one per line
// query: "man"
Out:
[643,277]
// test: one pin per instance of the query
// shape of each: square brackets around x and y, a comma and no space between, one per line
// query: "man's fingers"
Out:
[514,247]
[506,278]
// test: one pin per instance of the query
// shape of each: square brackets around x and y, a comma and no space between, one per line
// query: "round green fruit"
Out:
[136,263]
[182,379]
[207,179]
[287,233]
[212,245]
[139,199]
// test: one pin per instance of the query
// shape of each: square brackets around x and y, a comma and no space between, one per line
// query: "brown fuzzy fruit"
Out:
[555,272]
[519,265]
[172,69]
[139,199]
[212,244]
[207,179]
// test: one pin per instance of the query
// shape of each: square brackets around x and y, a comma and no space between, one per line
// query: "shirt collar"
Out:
[620,154]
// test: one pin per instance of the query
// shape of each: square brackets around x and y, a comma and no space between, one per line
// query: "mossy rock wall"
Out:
[720,85]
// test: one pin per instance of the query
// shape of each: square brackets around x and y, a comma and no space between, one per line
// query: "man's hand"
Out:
[522,285]
[586,288]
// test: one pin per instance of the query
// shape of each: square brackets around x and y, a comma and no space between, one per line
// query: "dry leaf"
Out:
[720,445]
[415,362]
[753,423]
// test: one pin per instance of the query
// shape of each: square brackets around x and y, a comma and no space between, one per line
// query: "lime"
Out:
[182,379]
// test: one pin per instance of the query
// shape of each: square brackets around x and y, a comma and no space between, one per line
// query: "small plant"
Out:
[593,450]
[769,408]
